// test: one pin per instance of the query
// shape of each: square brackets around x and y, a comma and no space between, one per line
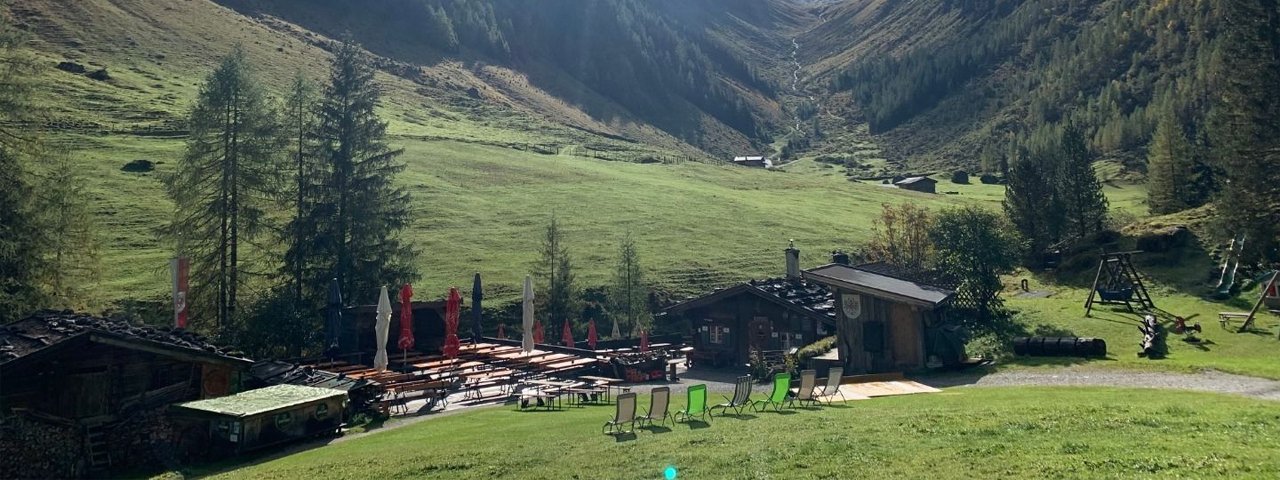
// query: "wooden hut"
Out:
[918,184]
[882,320]
[267,416]
[80,394]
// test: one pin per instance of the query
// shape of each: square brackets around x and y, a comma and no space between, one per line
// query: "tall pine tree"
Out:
[221,187]
[630,296]
[554,270]
[1171,169]
[1244,124]
[71,245]
[353,205]
[1078,188]
[1029,202]
[299,122]
[21,243]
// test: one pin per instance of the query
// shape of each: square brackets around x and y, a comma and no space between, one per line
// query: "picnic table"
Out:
[608,384]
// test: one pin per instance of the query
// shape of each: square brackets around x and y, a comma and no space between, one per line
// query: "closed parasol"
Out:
[539,335]
[333,319]
[526,318]
[566,335]
[615,334]
[502,333]
[406,319]
[591,334]
[381,330]
[452,307]
[477,294]
[644,341]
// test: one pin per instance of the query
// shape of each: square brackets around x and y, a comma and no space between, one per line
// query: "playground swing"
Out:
[1268,297]
[1118,283]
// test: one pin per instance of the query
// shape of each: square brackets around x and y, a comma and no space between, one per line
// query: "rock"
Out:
[72,67]
[100,75]
[139,166]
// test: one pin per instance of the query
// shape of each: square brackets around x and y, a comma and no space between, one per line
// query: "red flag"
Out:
[180,266]
[537,332]
[406,318]
[452,307]
[502,334]
[592,338]
[644,341]
[566,336]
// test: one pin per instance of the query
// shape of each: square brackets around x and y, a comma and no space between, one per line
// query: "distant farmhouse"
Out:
[918,184]
[753,162]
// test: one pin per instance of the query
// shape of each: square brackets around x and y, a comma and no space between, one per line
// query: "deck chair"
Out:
[625,415]
[832,388]
[778,397]
[696,406]
[808,383]
[660,400]
[741,397]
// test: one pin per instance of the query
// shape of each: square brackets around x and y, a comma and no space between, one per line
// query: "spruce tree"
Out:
[629,295]
[353,204]
[1244,124]
[299,127]
[71,246]
[554,271]
[221,187]
[1029,201]
[21,245]
[1078,188]
[1171,170]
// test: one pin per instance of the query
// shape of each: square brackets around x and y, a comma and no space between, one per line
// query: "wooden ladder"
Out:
[95,437]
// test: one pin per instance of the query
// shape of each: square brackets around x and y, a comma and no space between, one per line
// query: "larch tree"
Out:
[299,129]
[21,243]
[1171,168]
[554,271]
[222,188]
[1078,188]
[630,296]
[71,245]
[353,206]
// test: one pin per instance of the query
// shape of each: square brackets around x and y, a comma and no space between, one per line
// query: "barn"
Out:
[918,184]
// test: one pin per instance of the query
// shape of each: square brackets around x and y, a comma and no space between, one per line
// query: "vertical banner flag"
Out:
[179,267]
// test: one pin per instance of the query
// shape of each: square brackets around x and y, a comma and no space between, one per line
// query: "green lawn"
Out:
[961,433]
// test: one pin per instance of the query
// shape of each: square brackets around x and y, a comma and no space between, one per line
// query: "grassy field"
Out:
[960,433]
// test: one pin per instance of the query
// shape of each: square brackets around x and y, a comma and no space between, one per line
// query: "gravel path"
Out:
[1210,381]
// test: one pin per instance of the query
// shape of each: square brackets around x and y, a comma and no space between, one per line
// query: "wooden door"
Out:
[906,336]
[760,330]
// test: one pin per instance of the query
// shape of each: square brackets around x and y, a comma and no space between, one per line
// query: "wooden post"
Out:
[1088,304]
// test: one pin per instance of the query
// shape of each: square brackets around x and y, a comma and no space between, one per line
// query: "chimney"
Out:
[793,261]
[840,258]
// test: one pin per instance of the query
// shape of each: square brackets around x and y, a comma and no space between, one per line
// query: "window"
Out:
[322,411]
[719,335]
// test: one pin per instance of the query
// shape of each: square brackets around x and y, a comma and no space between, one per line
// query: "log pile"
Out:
[145,439]
[31,447]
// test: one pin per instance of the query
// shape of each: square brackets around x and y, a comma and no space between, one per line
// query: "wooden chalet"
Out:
[885,321]
[772,314]
[80,394]
[918,184]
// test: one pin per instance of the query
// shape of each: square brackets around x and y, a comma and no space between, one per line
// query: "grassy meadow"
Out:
[963,432]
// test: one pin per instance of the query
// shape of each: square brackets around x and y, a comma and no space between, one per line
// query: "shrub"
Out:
[814,349]
[989,179]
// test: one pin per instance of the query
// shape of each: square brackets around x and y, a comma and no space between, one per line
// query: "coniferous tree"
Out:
[1244,125]
[1171,170]
[221,186]
[21,245]
[355,209]
[71,247]
[1029,200]
[1078,188]
[630,296]
[300,129]
[555,273]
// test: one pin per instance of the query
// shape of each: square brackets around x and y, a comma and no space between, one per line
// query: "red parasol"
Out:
[451,309]
[406,318]
[566,336]
[502,334]
[537,332]
[644,341]
[592,338]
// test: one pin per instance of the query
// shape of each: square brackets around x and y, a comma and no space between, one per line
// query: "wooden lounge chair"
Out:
[832,388]
[778,397]
[625,415]
[741,397]
[808,383]
[660,400]
[696,405]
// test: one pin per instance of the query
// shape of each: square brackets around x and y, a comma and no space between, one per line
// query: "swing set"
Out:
[1118,283]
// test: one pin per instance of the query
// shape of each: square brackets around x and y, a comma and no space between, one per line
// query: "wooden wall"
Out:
[887,336]
[753,323]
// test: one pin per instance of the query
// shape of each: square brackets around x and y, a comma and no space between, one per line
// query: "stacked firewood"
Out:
[34,448]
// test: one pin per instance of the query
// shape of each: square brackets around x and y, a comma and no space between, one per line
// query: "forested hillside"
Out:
[940,80]
[625,61]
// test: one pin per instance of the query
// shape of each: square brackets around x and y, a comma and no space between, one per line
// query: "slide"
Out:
[1229,267]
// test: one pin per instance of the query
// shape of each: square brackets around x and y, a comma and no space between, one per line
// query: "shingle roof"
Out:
[797,294]
[875,284]
[49,329]
[262,400]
